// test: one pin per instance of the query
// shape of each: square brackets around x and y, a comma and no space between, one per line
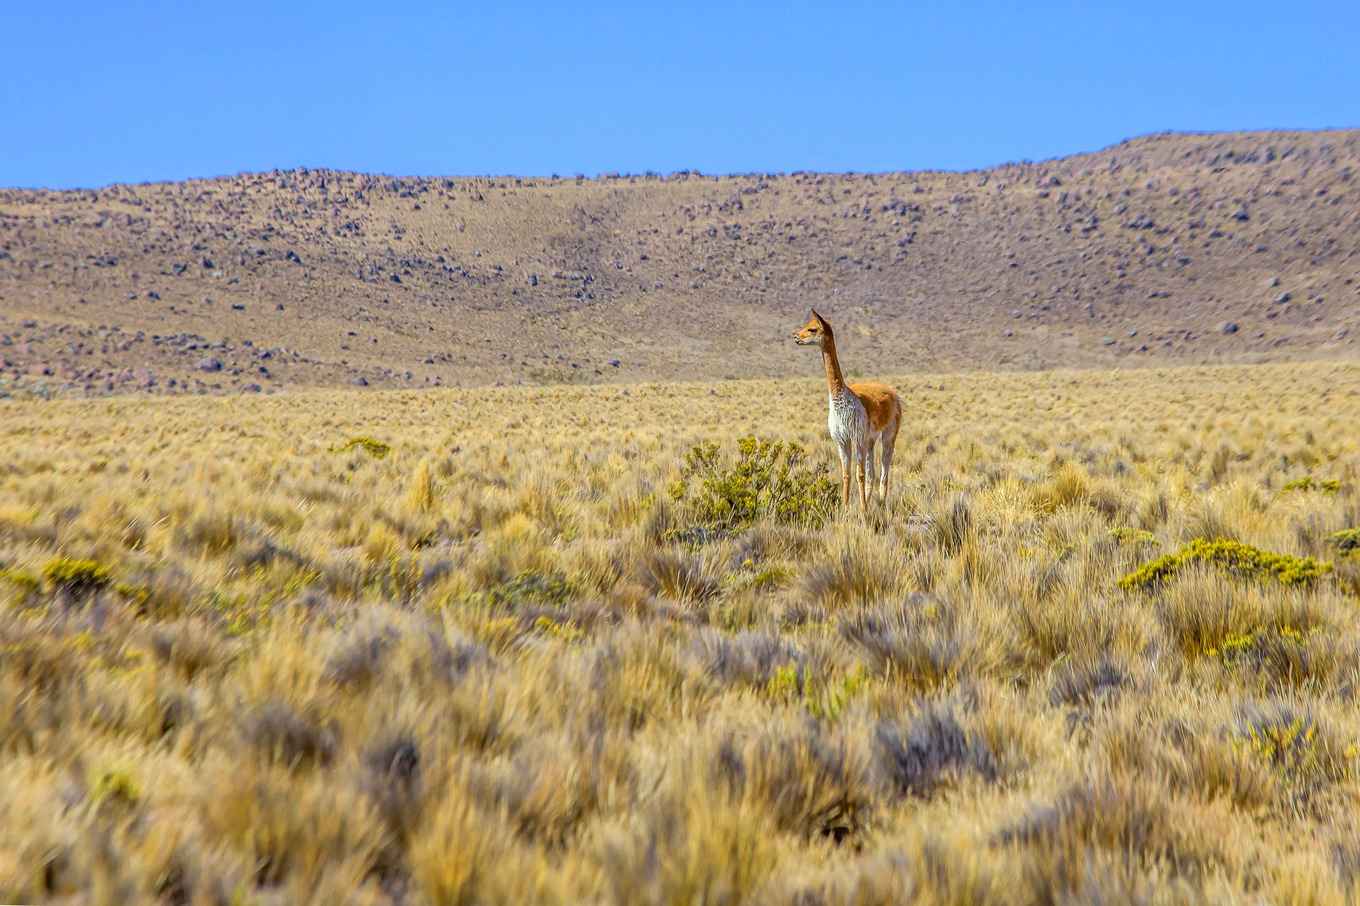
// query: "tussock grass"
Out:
[509,661]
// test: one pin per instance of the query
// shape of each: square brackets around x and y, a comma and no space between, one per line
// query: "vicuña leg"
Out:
[845,474]
[869,469]
[889,442]
[863,487]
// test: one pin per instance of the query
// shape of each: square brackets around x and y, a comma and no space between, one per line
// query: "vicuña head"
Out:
[861,415]
[815,333]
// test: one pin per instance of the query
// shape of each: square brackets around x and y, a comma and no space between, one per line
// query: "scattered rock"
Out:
[1107,342]
[360,381]
[250,388]
[1227,327]
[1282,298]
[210,363]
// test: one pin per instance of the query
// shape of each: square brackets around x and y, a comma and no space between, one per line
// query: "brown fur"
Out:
[882,406]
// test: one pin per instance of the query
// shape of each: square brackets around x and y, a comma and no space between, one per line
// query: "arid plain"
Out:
[530,645]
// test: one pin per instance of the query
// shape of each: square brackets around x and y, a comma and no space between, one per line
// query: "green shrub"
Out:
[1280,653]
[1346,542]
[114,784]
[551,589]
[1309,483]
[375,448]
[22,580]
[1132,536]
[1234,558]
[76,576]
[824,696]
[771,477]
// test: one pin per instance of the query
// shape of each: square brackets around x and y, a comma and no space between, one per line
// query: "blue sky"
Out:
[95,93]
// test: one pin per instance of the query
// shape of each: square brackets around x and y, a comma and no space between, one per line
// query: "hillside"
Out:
[1167,249]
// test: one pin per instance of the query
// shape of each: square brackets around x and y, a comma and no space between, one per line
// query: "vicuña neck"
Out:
[834,381]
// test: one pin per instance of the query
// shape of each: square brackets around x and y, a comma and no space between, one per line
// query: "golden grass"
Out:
[244,660]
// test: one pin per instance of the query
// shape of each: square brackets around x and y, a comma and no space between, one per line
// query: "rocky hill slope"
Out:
[1166,249]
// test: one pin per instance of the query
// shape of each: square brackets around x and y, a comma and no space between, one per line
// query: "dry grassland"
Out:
[525,655]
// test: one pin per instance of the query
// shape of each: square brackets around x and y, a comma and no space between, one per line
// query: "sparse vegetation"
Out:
[504,664]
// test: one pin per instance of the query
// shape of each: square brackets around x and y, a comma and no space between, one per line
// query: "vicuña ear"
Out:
[820,319]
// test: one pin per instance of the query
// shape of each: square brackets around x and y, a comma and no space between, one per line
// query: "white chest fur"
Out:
[848,421]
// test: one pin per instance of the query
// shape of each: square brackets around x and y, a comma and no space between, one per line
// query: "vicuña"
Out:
[861,414]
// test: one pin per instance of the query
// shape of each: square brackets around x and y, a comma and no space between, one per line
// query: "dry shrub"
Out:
[927,871]
[516,547]
[854,577]
[1088,682]
[1297,745]
[192,647]
[923,641]
[214,532]
[165,593]
[811,783]
[1122,817]
[1067,624]
[1200,611]
[749,658]
[696,844]
[421,493]
[460,855]
[952,530]
[1194,760]
[1070,487]
[296,829]
[394,779]
[288,738]
[1209,765]
[931,752]
[682,577]
[635,678]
